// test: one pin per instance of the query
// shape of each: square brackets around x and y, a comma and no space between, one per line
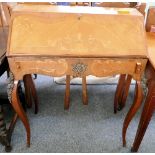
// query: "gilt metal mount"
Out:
[10,85]
[79,68]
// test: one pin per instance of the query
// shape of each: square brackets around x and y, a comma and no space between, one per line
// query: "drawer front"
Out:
[106,67]
[77,66]
[51,67]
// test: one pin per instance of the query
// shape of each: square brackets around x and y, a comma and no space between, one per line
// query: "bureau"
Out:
[76,41]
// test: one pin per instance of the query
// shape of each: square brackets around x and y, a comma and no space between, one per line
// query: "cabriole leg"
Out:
[119,91]
[84,91]
[124,96]
[134,108]
[146,115]
[14,99]
[67,93]
[30,91]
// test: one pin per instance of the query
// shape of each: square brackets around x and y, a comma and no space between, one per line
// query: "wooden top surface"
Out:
[151,47]
[44,30]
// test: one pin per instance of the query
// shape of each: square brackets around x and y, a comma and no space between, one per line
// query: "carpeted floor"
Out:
[92,128]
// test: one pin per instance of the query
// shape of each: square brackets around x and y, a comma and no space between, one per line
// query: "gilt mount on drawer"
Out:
[79,69]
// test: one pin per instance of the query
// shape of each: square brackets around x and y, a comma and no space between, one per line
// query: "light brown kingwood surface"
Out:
[46,30]
[151,47]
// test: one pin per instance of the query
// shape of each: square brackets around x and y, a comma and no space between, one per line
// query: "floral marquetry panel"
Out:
[76,31]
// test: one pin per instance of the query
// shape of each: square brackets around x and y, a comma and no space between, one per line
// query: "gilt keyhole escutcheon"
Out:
[79,68]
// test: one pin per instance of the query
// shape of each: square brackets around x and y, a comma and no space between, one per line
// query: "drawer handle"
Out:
[138,67]
[18,65]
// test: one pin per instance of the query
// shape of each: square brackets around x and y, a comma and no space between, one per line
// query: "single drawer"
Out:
[79,67]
